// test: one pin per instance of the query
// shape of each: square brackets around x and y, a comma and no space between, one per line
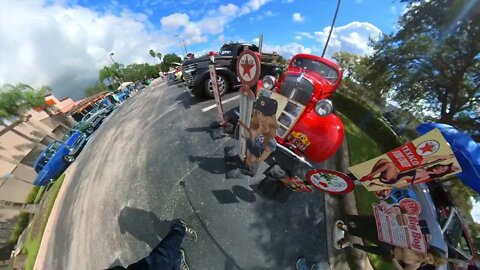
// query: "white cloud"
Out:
[287,50]
[287,1]
[229,10]
[212,23]
[252,5]
[64,47]
[352,37]
[269,13]
[297,17]
[358,1]
[305,34]
[174,21]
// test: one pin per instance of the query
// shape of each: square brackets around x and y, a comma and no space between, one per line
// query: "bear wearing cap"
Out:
[261,138]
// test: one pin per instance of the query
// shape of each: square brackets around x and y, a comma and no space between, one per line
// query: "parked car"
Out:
[92,120]
[123,94]
[308,126]
[197,77]
[449,236]
[53,161]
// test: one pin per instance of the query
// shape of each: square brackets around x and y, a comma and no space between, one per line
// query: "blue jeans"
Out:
[166,255]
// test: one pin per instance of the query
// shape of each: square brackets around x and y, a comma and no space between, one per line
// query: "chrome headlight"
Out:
[324,107]
[268,82]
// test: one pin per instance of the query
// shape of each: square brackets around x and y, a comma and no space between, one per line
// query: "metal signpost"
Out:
[216,91]
[248,71]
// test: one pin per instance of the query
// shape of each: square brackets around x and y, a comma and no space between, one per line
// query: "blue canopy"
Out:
[466,150]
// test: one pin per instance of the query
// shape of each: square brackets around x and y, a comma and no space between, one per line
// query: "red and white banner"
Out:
[398,224]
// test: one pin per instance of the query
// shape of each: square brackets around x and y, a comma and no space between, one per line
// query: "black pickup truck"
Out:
[197,77]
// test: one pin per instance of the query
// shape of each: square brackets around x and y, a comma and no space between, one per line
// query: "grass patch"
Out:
[34,237]
[362,148]
[39,196]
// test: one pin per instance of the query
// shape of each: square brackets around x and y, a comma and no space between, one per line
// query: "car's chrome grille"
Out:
[298,91]
[188,74]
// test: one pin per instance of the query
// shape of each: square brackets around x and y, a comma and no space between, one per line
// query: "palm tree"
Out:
[159,55]
[153,54]
[16,100]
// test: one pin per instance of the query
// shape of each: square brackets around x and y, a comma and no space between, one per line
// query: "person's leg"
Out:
[381,251]
[362,226]
[166,254]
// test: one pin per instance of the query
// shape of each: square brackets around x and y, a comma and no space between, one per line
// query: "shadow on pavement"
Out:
[292,229]
[144,225]
[227,196]
[230,263]
[186,99]
[213,165]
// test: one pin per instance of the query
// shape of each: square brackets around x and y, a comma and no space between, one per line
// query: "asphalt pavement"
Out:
[153,161]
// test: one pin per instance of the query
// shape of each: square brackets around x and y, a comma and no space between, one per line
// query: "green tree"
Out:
[168,61]
[159,56]
[432,63]
[15,100]
[356,79]
[154,55]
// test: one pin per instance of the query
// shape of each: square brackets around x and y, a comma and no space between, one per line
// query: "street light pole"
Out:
[331,28]
[115,66]
[111,57]
[180,41]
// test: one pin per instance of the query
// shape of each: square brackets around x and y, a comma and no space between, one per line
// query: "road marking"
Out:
[223,102]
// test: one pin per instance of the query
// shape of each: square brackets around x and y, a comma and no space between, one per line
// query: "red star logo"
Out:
[247,68]
[426,148]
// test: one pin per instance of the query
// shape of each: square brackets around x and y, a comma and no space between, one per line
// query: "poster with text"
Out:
[426,158]
[398,224]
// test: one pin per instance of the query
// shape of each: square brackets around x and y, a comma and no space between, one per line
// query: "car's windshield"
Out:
[318,67]
[225,51]
[49,153]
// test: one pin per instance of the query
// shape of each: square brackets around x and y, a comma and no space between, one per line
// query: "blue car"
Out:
[53,161]
[123,94]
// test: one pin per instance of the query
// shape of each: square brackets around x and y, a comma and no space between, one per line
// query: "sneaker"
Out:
[341,225]
[301,264]
[190,234]
[183,262]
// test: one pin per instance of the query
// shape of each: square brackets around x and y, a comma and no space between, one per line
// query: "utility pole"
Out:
[331,28]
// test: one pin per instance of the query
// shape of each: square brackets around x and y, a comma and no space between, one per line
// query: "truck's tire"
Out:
[223,86]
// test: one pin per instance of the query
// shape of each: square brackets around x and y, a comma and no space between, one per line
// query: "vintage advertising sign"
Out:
[248,68]
[398,224]
[330,181]
[296,184]
[216,91]
[424,159]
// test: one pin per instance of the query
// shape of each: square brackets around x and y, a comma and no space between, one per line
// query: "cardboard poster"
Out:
[296,184]
[398,224]
[426,158]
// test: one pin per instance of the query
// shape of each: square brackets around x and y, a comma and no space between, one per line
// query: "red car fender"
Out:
[324,133]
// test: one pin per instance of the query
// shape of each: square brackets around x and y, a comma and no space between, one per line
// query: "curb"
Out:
[52,221]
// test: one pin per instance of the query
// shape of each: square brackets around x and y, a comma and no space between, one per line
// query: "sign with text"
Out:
[398,224]
[426,158]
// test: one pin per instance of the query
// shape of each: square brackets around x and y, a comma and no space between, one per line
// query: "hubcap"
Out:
[221,85]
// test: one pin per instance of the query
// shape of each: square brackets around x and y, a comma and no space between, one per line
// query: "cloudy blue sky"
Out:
[63,43]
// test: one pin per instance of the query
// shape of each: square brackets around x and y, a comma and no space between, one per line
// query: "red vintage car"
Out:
[307,125]
[309,132]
